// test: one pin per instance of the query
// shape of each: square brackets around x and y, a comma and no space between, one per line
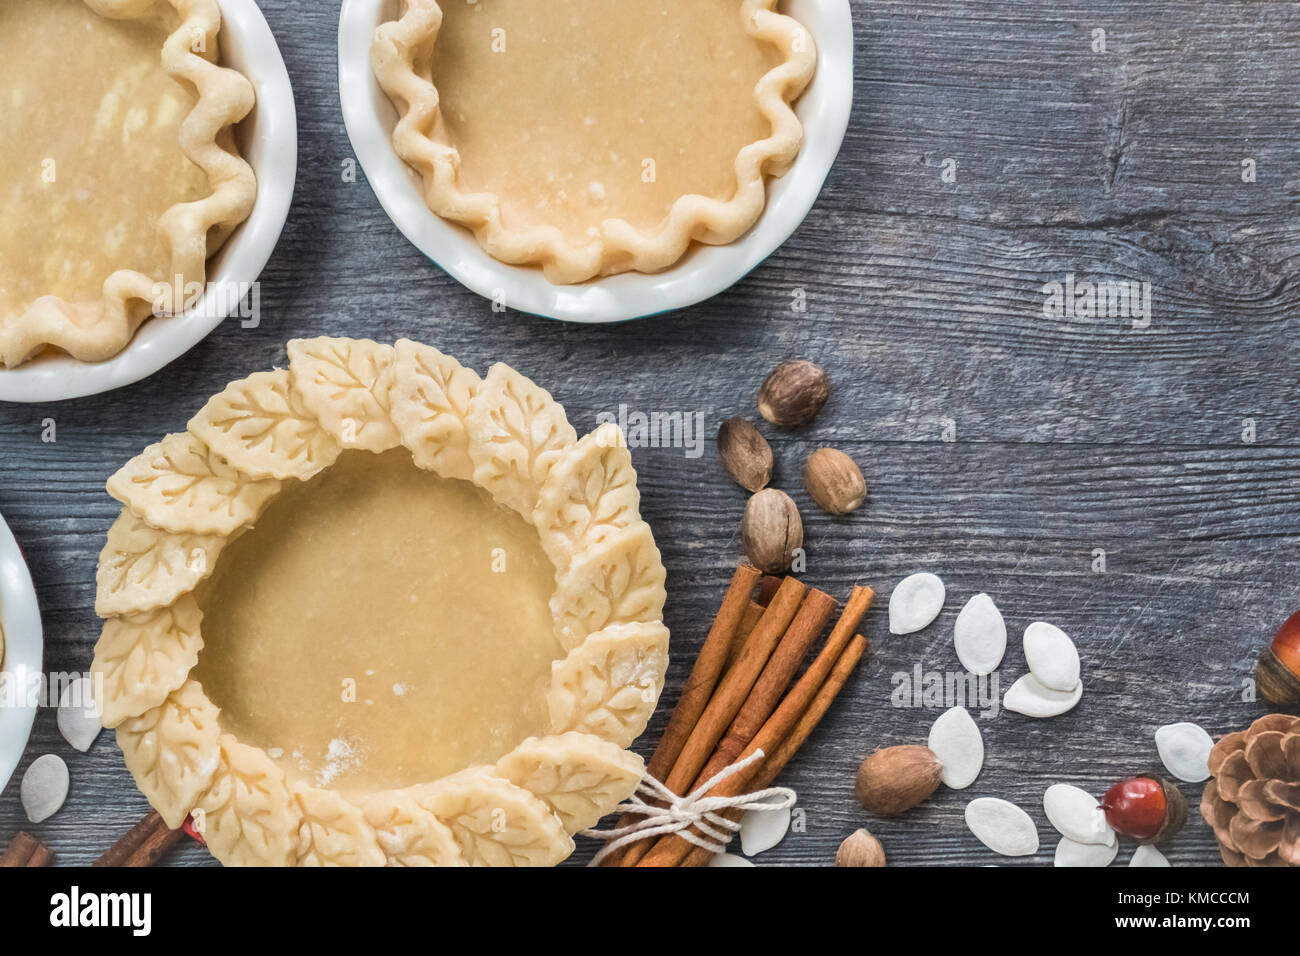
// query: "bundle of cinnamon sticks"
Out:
[739,697]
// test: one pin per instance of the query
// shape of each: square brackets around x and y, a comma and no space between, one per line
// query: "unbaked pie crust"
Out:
[119,168]
[444,543]
[592,137]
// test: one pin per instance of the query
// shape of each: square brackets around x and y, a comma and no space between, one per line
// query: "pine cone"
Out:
[1253,797]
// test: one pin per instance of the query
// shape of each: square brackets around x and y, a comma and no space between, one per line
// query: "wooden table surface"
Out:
[1003,449]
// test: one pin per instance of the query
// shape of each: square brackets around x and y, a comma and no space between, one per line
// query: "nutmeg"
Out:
[1278,673]
[745,454]
[771,530]
[793,393]
[834,481]
[897,778]
[860,849]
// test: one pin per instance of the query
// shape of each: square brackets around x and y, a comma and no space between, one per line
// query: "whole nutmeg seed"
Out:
[834,481]
[1278,674]
[793,393]
[771,530]
[745,454]
[860,849]
[897,778]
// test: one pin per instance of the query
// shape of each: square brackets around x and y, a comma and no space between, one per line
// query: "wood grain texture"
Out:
[924,302]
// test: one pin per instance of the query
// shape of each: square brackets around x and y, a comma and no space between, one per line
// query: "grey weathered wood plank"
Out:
[924,300]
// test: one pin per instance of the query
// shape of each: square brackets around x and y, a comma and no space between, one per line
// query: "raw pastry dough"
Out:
[457,587]
[119,167]
[593,137]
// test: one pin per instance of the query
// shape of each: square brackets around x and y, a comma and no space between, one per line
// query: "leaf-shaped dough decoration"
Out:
[429,402]
[580,777]
[620,581]
[249,816]
[496,823]
[609,686]
[259,426]
[141,658]
[180,485]
[142,568]
[333,831]
[517,433]
[345,384]
[589,495]
[172,751]
[409,834]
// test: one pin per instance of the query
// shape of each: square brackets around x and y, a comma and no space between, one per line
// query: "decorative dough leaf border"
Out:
[556,784]
[400,55]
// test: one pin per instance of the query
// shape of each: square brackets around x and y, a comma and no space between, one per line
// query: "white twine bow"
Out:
[695,811]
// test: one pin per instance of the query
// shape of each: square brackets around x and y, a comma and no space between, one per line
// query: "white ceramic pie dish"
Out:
[269,141]
[20,617]
[705,271]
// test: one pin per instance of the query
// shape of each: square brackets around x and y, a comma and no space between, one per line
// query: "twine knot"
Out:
[686,814]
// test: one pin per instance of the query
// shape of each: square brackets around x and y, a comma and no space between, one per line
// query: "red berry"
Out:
[1136,808]
[1286,644]
[193,832]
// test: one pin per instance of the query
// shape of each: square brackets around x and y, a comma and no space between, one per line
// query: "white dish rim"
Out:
[824,109]
[271,147]
[20,616]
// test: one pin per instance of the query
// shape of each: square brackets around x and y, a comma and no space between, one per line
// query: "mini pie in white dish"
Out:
[117,147]
[374,609]
[593,139]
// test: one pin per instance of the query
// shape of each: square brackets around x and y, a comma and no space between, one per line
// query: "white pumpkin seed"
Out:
[44,787]
[78,716]
[980,636]
[1147,855]
[1027,696]
[763,829]
[1185,751]
[1070,853]
[1077,815]
[955,739]
[1002,826]
[916,601]
[728,859]
[1052,656]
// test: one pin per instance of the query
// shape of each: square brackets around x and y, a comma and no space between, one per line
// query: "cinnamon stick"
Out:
[770,767]
[793,719]
[827,675]
[748,622]
[772,683]
[706,670]
[20,850]
[41,856]
[143,845]
[728,697]
[699,685]
[733,690]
